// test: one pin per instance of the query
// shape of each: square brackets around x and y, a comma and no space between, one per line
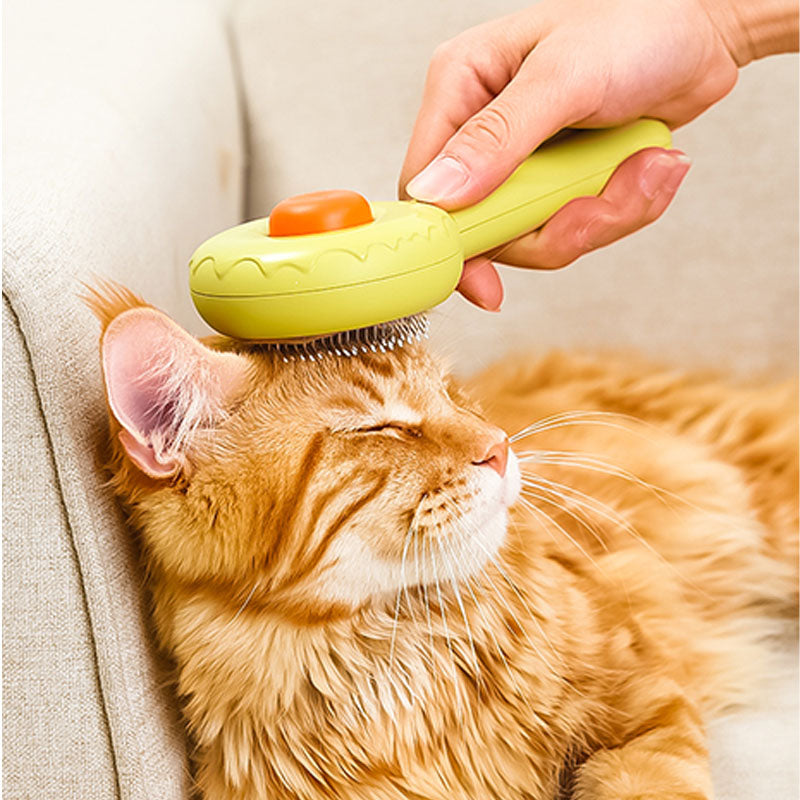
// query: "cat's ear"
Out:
[163,385]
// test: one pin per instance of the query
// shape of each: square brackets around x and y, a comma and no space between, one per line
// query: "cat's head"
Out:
[309,486]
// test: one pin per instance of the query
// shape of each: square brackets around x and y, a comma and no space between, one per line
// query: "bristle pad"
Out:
[346,344]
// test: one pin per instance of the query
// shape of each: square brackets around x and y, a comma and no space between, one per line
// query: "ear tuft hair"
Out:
[108,299]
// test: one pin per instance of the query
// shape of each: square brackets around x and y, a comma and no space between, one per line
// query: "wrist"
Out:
[752,29]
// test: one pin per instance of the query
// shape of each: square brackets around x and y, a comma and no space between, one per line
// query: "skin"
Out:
[494,93]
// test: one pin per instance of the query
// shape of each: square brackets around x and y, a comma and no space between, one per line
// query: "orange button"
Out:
[317,212]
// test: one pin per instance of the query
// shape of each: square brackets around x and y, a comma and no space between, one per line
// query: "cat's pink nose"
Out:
[496,457]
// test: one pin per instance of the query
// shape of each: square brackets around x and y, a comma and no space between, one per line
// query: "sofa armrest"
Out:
[123,150]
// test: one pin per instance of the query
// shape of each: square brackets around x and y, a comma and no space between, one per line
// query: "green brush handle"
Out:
[575,165]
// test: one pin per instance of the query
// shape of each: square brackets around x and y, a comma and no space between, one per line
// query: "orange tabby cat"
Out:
[367,594]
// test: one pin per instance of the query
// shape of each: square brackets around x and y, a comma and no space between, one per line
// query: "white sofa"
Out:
[132,131]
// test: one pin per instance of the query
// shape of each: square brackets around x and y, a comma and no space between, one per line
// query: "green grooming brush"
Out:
[347,274]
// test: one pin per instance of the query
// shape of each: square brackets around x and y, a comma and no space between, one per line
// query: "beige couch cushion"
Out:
[58,724]
[123,149]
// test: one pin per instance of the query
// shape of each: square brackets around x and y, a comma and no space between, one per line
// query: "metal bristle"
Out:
[346,344]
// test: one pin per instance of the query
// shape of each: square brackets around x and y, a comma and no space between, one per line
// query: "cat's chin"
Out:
[356,574]
[368,576]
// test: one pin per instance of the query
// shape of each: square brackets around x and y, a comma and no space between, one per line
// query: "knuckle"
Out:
[444,55]
[491,128]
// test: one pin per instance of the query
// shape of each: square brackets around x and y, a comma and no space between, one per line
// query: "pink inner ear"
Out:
[139,350]
[160,381]
[145,458]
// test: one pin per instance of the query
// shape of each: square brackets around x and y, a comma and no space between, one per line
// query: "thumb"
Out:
[490,145]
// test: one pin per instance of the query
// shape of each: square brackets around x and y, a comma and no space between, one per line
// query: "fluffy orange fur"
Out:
[354,612]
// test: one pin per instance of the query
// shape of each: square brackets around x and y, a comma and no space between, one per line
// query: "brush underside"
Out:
[379,338]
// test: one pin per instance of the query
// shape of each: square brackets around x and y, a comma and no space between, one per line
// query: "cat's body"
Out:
[351,617]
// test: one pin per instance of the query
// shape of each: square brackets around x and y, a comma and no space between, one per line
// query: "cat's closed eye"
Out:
[397,429]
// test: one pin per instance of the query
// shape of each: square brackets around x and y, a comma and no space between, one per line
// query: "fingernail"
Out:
[439,180]
[592,233]
[664,173]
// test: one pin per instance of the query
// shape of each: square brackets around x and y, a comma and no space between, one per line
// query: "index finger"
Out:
[464,75]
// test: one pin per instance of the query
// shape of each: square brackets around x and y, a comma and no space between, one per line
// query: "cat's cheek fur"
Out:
[352,572]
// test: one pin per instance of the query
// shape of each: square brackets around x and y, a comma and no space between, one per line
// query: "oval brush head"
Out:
[263,281]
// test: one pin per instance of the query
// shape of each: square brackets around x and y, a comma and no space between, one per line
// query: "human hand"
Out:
[497,91]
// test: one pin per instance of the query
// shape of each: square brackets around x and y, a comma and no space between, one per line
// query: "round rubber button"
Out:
[318,212]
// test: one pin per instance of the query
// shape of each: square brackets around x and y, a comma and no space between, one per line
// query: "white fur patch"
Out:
[353,572]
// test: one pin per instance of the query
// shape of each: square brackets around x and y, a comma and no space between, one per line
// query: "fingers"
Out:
[464,76]
[492,142]
[455,89]
[451,96]
[480,284]
[637,193]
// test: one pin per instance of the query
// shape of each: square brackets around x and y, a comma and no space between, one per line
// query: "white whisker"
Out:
[454,584]
[242,606]
[400,588]
[429,616]
[606,512]
[445,625]
[549,519]
[477,540]
[579,417]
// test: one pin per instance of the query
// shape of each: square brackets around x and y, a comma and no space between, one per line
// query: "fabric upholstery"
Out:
[123,149]
[52,708]
[126,129]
